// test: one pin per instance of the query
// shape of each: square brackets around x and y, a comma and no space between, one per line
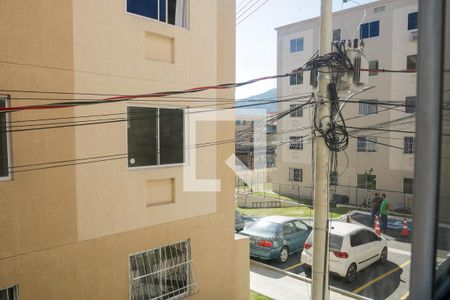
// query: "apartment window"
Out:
[334,177]
[296,143]
[409,144]
[408,185]
[379,9]
[368,107]
[10,293]
[155,136]
[412,21]
[373,65]
[296,113]
[295,174]
[371,29]
[411,62]
[162,273]
[296,45]
[167,11]
[410,104]
[4,140]
[296,78]
[366,144]
[366,181]
[337,35]
[313,77]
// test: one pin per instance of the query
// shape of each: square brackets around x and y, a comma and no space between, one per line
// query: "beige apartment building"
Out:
[374,160]
[108,203]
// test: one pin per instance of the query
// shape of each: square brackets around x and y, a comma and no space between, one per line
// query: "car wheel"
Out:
[284,254]
[383,256]
[351,273]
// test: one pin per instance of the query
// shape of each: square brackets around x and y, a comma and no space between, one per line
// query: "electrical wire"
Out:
[251,13]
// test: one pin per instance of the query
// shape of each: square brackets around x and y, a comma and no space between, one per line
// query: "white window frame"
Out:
[8,139]
[340,35]
[297,46]
[298,113]
[191,280]
[187,12]
[15,288]
[185,138]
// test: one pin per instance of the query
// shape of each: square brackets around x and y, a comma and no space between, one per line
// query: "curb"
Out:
[307,280]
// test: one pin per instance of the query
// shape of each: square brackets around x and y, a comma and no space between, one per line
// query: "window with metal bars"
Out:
[337,35]
[408,145]
[167,11]
[408,185]
[410,104]
[162,273]
[368,107]
[295,174]
[366,181]
[373,65]
[296,143]
[366,144]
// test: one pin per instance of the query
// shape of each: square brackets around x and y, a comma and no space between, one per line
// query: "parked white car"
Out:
[352,248]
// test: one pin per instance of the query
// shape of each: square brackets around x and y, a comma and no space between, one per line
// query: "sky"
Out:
[256,38]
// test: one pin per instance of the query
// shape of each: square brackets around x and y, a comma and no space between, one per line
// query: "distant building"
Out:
[105,210]
[389,30]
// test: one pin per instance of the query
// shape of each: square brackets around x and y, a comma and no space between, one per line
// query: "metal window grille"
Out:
[336,35]
[408,185]
[368,107]
[295,174]
[366,144]
[334,177]
[410,104]
[163,273]
[366,181]
[373,65]
[296,143]
[409,144]
[9,293]
[296,113]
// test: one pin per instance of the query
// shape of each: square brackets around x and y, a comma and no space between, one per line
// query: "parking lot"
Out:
[388,281]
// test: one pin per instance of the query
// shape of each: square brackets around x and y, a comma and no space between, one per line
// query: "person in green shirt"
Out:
[384,212]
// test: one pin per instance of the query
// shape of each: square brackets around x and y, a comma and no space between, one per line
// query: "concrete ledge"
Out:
[307,280]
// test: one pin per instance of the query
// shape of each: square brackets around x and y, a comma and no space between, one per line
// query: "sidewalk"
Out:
[280,285]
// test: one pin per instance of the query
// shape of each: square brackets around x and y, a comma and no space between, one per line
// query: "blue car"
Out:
[276,237]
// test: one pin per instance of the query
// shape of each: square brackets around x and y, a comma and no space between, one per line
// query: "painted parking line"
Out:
[398,251]
[293,267]
[405,296]
[366,285]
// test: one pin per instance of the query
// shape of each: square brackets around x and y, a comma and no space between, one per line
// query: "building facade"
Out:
[103,201]
[382,159]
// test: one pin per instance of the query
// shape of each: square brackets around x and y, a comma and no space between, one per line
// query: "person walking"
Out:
[376,202]
[384,212]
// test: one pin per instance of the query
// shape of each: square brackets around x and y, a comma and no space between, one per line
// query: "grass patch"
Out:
[256,296]
[298,211]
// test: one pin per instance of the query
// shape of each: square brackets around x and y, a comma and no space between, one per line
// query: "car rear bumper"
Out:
[338,267]
[264,253]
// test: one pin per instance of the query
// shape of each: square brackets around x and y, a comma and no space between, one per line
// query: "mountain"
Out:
[268,96]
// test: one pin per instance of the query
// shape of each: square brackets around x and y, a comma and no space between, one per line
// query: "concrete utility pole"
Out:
[320,288]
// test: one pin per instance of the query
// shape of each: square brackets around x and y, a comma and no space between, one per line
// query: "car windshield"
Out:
[265,227]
